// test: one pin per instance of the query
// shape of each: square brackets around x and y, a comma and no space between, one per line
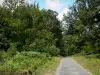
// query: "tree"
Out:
[26,27]
[83,22]
[13,4]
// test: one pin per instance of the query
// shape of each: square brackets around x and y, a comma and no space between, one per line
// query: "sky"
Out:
[61,6]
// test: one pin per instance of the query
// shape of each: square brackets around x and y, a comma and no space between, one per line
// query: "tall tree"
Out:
[83,22]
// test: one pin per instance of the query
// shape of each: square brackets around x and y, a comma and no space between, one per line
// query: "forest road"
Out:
[70,67]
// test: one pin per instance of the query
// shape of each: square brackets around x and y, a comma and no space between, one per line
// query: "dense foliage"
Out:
[29,37]
[25,27]
[25,63]
[82,32]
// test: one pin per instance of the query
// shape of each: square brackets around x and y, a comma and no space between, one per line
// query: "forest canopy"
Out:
[27,28]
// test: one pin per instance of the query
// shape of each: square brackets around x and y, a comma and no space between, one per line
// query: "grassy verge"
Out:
[91,64]
[29,63]
[50,67]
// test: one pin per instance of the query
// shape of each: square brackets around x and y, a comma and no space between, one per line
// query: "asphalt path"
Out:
[70,67]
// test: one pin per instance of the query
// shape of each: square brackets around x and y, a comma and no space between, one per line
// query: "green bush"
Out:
[4,43]
[29,61]
[88,48]
[12,50]
[1,58]
[41,45]
[53,50]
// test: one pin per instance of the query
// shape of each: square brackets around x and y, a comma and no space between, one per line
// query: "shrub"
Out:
[53,50]
[41,45]
[29,61]
[12,50]
[88,48]
[4,43]
[1,58]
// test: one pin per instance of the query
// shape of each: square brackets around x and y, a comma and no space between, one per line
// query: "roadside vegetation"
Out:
[30,39]
[90,63]
[29,63]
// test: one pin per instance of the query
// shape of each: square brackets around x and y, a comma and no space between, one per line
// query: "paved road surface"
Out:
[69,67]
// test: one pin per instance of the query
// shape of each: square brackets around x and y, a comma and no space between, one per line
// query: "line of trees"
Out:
[82,32]
[24,27]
